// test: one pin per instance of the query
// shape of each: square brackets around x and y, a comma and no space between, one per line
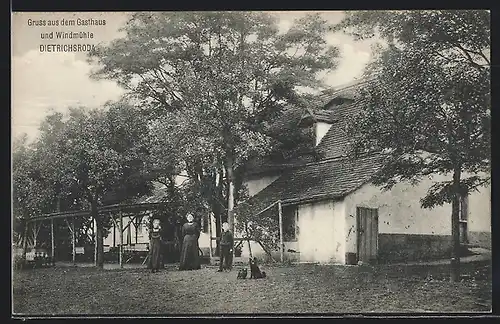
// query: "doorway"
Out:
[367,229]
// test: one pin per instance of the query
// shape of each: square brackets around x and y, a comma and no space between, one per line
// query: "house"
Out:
[333,214]
[136,227]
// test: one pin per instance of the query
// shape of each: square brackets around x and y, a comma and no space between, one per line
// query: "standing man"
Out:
[226,249]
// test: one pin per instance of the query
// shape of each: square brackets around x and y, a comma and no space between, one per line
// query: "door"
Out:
[367,229]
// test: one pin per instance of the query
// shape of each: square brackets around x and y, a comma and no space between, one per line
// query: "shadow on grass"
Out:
[304,288]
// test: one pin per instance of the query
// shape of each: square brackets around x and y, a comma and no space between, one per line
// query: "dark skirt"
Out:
[155,255]
[190,254]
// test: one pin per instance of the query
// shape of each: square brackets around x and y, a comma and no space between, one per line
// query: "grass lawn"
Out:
[291,289]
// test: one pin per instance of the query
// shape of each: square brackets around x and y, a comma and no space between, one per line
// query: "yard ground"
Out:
[304,288]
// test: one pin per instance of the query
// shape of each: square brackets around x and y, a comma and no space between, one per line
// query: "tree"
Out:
[428,102]
[91,158]
[33,192]
[24,204]
[221,76]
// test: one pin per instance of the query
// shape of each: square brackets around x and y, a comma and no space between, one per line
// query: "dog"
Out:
[255,272]
[242,274]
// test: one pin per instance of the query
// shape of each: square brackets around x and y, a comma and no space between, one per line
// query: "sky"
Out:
[43,82]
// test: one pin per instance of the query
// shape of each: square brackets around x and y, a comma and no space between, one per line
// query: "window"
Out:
[290,228]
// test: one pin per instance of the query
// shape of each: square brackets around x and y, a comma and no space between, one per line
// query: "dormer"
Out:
[331,106]
[321,121]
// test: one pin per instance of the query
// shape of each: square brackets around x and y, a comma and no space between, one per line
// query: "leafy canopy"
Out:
[428,103]
[221,76]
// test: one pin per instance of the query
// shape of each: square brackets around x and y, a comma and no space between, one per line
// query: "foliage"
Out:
[220,76]
[428,104]
[33,191]
[263,228]
[106,165]
[83,160]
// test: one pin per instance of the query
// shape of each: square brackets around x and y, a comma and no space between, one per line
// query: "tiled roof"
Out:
[338,113]
[335,175]
[335,141]
[349,90]
[159,193]
[328,178]
[266,165]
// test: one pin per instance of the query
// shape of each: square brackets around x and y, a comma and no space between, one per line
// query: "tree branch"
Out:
[467,54]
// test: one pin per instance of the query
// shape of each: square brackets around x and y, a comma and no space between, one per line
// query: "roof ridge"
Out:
[346,85]
[340,157]
[317,180]
[322,161]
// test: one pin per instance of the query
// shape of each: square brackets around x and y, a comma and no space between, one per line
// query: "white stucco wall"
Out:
[259,253]
[321,235]
[204,240]
[321,129]
[400,211]
[321,232]
[255,185]
[480,210]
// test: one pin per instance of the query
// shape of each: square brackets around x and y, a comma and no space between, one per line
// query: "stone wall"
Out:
[413,247]
[481,239]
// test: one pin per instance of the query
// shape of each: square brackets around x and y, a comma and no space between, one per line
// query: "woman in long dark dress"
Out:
[155,246]
[190,257]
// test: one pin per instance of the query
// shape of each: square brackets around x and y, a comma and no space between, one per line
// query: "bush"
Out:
[19,262]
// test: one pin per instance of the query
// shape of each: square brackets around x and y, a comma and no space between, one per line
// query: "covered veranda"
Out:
[116,212]
[133,214]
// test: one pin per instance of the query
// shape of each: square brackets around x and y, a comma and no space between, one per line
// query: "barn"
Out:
[331,213]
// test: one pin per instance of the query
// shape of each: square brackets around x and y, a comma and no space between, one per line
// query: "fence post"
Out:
[210,235]
[94,230]
[25,239]
[121,240]
[53,241]
[73,239]
[280,215]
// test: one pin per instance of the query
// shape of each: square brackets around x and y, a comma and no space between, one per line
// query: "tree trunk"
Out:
[99,241]
[230,198]
[216,199]
[25,239]
[218,230]
[455,227]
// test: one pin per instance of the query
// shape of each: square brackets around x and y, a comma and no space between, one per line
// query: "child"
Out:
[226,249]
